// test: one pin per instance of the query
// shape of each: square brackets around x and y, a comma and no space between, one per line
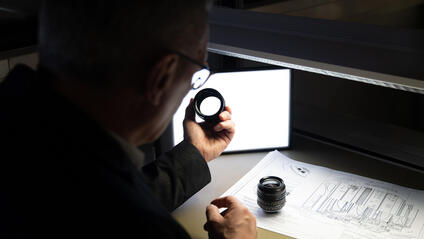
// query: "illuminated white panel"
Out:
[260,101]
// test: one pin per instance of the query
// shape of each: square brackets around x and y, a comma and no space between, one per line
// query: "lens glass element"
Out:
[271,183]
[210,105]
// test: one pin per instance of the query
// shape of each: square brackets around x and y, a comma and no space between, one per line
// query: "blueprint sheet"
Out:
[325,203]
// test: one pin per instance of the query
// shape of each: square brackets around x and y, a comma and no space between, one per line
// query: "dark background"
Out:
[380,121]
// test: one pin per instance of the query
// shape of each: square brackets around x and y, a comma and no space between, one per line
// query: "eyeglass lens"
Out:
[200,78]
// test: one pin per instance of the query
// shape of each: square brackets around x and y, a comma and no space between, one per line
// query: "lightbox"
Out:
[260,103]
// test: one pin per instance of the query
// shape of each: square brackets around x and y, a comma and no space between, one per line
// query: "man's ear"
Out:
[161,77]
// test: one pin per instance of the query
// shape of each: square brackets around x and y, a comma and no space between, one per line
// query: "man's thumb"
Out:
[213,215]
[189,113]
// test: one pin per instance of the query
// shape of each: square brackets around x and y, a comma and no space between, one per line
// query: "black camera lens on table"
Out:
[204,94]
[271,194]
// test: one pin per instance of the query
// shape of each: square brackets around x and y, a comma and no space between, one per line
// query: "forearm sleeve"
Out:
[177,175]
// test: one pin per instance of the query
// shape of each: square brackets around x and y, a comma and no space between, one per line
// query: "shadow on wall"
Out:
[374,103]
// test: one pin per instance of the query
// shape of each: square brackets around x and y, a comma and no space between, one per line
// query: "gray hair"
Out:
[101,40]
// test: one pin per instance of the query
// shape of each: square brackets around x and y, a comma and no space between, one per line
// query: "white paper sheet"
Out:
[325,203]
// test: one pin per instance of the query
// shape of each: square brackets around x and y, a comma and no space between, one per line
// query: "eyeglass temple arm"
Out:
[191,60]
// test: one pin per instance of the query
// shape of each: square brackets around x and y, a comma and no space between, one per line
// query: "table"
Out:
[228,169]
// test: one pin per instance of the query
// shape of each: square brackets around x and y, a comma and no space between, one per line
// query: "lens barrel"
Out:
[271,193]
[198,99]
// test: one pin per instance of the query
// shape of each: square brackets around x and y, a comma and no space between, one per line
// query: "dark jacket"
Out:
[62,175]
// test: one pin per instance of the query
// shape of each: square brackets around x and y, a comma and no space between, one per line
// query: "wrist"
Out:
[199,149]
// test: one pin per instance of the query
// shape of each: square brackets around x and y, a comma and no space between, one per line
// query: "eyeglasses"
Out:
[201,76]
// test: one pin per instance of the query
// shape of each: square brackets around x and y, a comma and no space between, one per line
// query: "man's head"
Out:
[99,40]
[120,44]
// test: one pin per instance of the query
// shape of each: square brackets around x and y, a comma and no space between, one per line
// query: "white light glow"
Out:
[210,106]
[260,101]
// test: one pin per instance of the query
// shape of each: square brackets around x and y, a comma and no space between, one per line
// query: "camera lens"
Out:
[208,104]
[271,193]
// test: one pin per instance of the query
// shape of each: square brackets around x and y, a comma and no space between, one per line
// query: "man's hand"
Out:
[235,222]
[209,139]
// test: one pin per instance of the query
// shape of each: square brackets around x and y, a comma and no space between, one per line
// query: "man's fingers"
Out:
[189,113]
[228,202]
[206,226]
[228,125]
[227,108]
[223,213]
[213,215]
[225,115]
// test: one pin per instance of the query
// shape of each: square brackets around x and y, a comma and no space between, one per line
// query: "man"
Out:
[111,75]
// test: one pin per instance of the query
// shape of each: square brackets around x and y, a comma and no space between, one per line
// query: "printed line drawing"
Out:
[332,204]
[372,208]
[299,170]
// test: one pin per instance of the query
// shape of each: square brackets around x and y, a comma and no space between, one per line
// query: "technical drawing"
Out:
[372,208]
[333,205]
